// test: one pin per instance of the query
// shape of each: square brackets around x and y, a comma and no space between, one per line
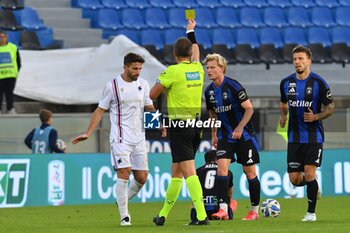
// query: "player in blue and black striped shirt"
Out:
[302,95]
[228,102]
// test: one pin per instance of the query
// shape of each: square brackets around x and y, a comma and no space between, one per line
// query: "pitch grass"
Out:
[332,216]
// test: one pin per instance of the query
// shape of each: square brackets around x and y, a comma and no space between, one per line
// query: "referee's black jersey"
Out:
[301,95]
[207,176]
[226,101]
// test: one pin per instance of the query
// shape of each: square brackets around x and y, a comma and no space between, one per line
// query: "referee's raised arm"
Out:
[191,36]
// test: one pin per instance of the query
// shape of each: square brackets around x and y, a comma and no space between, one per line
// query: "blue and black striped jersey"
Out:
[301,95]
[226,101]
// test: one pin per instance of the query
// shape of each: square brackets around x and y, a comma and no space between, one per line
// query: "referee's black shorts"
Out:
[184,143]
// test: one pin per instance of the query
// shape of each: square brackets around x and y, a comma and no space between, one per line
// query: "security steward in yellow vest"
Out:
[10,63]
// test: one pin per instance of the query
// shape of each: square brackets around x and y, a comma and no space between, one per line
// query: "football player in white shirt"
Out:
[126,97]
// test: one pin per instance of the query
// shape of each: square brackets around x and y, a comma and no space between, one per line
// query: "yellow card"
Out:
[190,14]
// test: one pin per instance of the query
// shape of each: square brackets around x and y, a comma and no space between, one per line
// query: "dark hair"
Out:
[3,32]
[210,156]
[45,115]
[133,57]
[302,49]
[183,47]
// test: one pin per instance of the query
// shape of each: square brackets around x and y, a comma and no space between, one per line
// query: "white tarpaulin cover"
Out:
[77,76]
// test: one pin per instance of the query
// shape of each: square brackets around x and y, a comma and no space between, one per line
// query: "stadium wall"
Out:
[71,179]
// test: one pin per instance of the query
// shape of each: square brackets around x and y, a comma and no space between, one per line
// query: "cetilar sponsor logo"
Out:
[220,109]
[300,103]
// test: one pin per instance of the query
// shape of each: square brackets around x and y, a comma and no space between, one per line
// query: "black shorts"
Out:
[246,152]
[301,154]
[184,143]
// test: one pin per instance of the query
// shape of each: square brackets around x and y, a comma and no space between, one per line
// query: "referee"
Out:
[183,83]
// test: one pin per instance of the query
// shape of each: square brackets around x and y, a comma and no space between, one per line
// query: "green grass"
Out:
[332,216]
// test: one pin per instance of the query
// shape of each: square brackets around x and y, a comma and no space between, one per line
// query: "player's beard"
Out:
[133,78]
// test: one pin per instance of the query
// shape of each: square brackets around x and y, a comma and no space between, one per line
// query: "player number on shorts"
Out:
[210,179]
[39,147]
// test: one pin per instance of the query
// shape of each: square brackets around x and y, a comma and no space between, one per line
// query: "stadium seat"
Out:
[162,3]
[226,17]
[319,35]
[245,54]
[342,16]
[8,21]
[246,43]
[12,4]
[29,41]
[233,3]
[224,43]
[152,37]
[247,36]
[322,16]
[155,18]
[30,19]
[107,19]
[250,17]
[303,3]
[134,22]
[47,40]
[208,3]
[170,36]
[131,34]
[294,35]
[340,53]
[287,52]
[205,18]
[177,17]
[327,3]
[341,35]
[274,17]
[271,36]
[204,41]
[87,4]
[320,54]
[13,37]
[279,3]
[141,4]
[116,4]
[298,16]
[256,3]
[185,3]
[344,2]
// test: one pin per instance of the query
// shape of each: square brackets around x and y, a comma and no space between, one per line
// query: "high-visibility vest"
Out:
[8,61]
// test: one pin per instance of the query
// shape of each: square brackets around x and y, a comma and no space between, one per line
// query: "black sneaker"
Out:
[196,222]
[159,221]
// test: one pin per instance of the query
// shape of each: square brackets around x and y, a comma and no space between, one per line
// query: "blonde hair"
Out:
[222,62]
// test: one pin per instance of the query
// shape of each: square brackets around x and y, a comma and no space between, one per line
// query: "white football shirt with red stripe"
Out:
[126,102]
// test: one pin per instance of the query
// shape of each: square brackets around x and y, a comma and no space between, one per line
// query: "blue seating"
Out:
[250,17]
[177,17]
[344,2]
[247,36]
[298,16]
[303,3]
[171,35]
[327,3]
[87,4]
[342,16]
[294,35]
[161,3]
[208,3]
[117,4]
[155,18]
[203,38]
[226,17]
[132,18]
[185,3]
[256,3]
[271,36]
[205,18]
[13,37]
[274,17]
[319,35]
[279,3]
[107,19]
[131,34]
[152,37]
[341,35]
[232,3]
[45,37]
[322,16]
[224,36]
[141,4]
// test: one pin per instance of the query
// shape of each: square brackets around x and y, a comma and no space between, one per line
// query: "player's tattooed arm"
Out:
[327,112]
[284,112]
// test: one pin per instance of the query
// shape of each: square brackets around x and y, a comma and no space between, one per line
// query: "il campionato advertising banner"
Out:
[66,179]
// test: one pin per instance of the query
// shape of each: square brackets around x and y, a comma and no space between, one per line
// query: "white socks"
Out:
[122,197]
[134,188]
